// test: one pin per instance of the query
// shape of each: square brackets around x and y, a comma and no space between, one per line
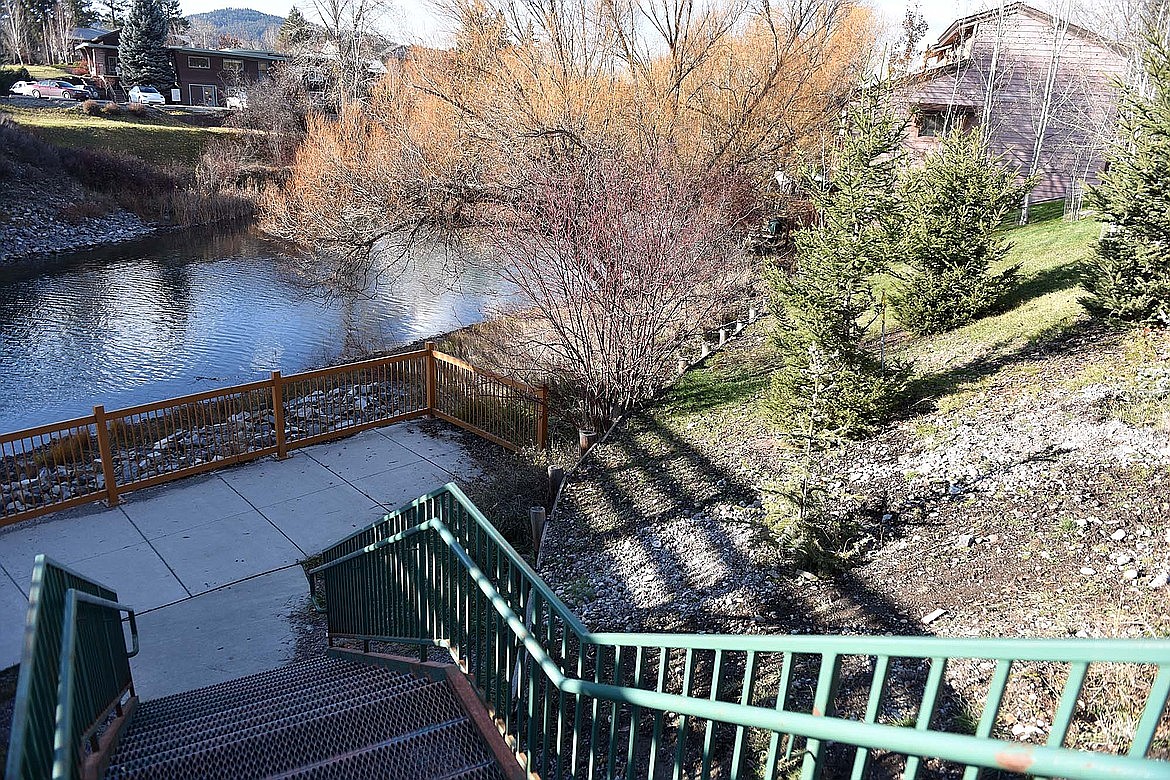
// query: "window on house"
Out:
[199,63]
[111,63]
[262,70]
[931,124]
[234,66]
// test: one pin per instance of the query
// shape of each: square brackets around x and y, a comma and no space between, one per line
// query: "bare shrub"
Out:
[112,109]
[617,259]
[82,210]
[91,107]
[277,111]
[137,110]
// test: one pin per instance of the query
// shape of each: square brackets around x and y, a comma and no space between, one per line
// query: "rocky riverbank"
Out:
[53,217]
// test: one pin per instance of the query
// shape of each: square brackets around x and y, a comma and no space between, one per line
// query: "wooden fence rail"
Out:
[102,455]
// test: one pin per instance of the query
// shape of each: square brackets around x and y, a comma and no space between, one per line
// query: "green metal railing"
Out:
[74,673]
[578,704]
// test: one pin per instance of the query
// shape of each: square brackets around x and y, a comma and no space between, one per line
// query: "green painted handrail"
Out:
[93,676]
[431,593]
[65,669]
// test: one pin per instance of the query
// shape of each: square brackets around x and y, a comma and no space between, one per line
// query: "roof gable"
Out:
[962,27]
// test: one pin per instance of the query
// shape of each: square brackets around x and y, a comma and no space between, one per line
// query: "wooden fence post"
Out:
[542,420]
[278,415]
[432,376]
[105,452]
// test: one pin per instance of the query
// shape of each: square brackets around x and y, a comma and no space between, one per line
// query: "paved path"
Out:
[210,563]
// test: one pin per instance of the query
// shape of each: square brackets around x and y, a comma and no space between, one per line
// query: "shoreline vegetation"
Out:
[91,175]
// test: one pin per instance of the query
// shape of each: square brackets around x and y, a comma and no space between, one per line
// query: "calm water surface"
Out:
[181,313]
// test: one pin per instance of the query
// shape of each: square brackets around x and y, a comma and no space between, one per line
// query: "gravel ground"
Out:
[1020,506]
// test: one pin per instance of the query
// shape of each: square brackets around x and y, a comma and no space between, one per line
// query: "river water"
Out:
[184,312]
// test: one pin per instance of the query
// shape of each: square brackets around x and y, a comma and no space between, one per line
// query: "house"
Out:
[1044,90]
[203,76]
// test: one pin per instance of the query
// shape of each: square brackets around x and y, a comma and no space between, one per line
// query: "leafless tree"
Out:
[348,45]
[17,41]
[616,260]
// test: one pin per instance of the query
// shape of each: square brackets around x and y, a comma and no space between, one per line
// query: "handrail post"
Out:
[432,377]
[542,419]
[105,452]
[278,415]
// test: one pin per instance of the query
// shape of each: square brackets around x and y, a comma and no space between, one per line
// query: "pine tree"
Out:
[824,305]
[295,31]
[176,22]
[82,12]
[1128,278]
[110,13]
[142,53]
[953,205]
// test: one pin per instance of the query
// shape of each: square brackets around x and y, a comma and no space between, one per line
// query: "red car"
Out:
[63,89]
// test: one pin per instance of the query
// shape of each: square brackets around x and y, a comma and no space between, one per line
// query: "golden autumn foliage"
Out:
[448,136]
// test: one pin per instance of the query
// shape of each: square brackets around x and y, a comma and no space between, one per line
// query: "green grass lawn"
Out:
[948,367]
[1044,306]
[39,72]
[161,141]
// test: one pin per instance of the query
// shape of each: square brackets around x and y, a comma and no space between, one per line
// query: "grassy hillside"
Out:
[1022,492]
[157,140]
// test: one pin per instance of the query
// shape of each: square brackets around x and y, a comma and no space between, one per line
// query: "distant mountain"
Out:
[252,28]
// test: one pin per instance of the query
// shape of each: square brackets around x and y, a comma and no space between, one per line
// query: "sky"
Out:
[415,21]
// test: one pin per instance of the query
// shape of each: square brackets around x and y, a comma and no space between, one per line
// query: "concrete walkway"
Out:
[210,563]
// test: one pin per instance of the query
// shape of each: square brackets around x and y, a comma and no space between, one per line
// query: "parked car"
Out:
[237,99]
[146,95]
[22,87]
[51,88]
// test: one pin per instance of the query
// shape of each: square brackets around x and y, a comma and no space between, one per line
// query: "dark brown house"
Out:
[204,76]
[1043,90]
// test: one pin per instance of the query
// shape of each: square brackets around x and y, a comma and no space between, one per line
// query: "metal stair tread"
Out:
[293,703]
[298,741]
[247,690]
[211,693]
[406,756]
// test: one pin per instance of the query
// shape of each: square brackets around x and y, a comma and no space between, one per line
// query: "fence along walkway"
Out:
[99,456]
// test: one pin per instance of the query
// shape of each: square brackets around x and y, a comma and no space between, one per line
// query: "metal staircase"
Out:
[534,692]
[324,718]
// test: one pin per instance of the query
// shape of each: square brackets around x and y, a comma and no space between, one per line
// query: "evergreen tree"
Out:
[295,31]
[953,205]
[176,22]
[1128,278]
[110,13]
[142,53]
[827,302]
[82,12]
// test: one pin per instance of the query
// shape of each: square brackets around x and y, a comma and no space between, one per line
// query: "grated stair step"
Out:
[326,718]
[296,705]
[449,750]
[244,690]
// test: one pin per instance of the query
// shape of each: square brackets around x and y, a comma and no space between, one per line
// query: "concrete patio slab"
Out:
[441,448]
[66,538]
[270,481]
[319,519]
[241,629]
[167,509]
[227,550]
[394,488]
[13,611]
[141,578]
[216,551]
[363,455]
